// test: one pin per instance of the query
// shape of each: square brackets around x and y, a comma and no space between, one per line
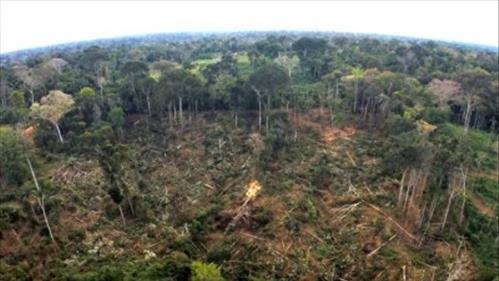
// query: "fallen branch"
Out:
[351,159]
[393,221]
[253,236]
[381,246]
[268,246]
[346,210]
[314,236]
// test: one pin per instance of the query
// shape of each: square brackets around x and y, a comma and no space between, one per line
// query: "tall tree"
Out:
[52,108]
[267,82]
[290,63]
[474,83]
[87,101]
[133,71]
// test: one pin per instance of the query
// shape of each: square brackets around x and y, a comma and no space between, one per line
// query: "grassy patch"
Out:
[243,65]
[200,64]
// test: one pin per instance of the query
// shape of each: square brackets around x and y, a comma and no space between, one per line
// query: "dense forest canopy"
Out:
[152,137]
[118,64]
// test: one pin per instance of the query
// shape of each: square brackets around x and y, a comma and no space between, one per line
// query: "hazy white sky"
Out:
[26,24]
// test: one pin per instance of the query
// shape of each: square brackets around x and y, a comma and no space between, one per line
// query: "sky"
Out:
[28,24]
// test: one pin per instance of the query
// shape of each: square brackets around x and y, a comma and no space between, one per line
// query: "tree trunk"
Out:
[41,200]
[295,117]
[415,189]
[59,134]
[32,95]
[148,100]
[433,206]
[331,116]
[356,88]
[180,112]
[41,203]
[447,209]
[259,114]
[170,117]
[366,109]
[410,187]
[130,205]
[174,114]
[122,216]
[267,114]
[235,119]
[259,98]
[421,217]
[467,116]
[401,188]
[464,176]
[477,121]
[337,92]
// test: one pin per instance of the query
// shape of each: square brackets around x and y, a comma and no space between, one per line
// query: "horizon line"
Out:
[221,32]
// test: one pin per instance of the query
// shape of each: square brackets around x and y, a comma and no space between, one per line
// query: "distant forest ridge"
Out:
[193,36]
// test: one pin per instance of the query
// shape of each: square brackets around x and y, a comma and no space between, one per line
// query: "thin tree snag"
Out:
[259,115]
[351,159]
[449,203]
[401,188]
[407,233]
[41,200]
[180,111]
[259,97]
[381,246]
[314,236]
[464,178]
[130,205]
[59,134]
[122,216]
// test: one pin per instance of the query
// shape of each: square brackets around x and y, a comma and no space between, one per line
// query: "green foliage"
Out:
[16,100]
[205,272]
[407,150]
[203,222]
[269,78]
[16,111]
[486,188]
[10,213]
[436,115]
[396,125]
[100,133]
[111,158]
[176,95]
[13,167]
[116,117]
[77,236]
[87,101]
[307,46]
[481,231]
[53,106]
[46,138]
[276,141]
[311,212]
[176,267]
